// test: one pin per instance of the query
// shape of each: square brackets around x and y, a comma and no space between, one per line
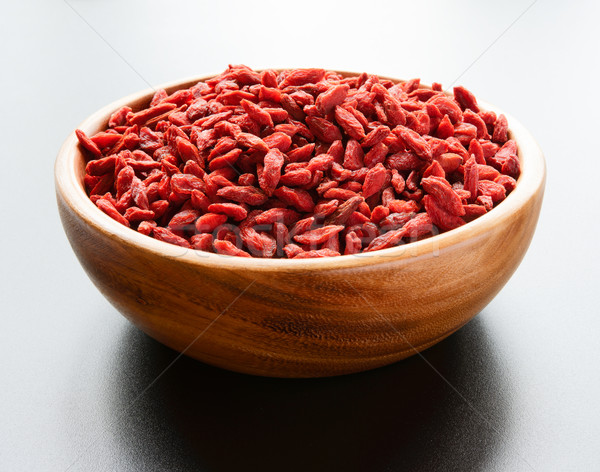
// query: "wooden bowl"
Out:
[299,318]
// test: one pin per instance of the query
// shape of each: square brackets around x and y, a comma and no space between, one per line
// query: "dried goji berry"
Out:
[119,117]
[208,222]
[300,199]
[202,242]
[273,162]
[302,76]
[237,212]
[163,234]
[301,153]
[251,141]
[353,156]
[507,182]
[337,164]
[185,184]
[279,141]
[101,166]
[250,195]
[374,180]
[375,136]
[340,193]
[494,190]
[376,155]
[229,249]
[323,129]
[443,194]
[87,143]
[349,123]
[108,208]
[434,169]
[183,220]
[389,239]
[334,96]
[447,107]
[465,99]
[500,130]
[283,215]
[439,216]
[325,252]
[471,179]
[225,160]
[394,220]
[325,208]
[146,227]
[344,211]
[319,235]
[296,178]
[403,206]
[477,121]
[415,142]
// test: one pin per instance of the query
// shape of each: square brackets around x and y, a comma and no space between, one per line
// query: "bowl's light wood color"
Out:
[299,318]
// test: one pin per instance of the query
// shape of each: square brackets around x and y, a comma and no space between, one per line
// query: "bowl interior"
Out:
[70,169]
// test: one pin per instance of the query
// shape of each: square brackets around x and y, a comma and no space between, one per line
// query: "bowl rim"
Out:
[70,187]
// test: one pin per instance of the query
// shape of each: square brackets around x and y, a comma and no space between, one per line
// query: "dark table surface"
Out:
[515,389]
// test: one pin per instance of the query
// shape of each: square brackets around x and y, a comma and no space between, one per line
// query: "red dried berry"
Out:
[319,235]
[163,234]
[302,155]
[334,96]
[183,220]
[349,123]
[500,130]
[471,179]
[323,129]
[376,155]
[237,212]
[439,216]
[325,252]
[374,180]
[415,142]
[283,215]
[208,222]
[229,249]
[300,199]
[202,242]
[465,99]
[443,194]
[273,162]
[107,207]
[250,195]
[301,77]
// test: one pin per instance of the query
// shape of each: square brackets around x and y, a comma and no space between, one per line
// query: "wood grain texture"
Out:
[299,318]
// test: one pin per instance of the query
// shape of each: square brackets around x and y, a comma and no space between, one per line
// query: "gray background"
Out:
[522,386]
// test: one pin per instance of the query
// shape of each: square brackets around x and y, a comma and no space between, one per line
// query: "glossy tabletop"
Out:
[515,389]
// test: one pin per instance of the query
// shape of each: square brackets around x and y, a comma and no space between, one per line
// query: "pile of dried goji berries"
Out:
[300,163]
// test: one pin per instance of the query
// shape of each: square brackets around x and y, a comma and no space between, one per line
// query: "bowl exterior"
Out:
[303,323]
[299,318]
